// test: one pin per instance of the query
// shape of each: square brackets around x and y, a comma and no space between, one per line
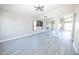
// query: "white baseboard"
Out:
[25,35]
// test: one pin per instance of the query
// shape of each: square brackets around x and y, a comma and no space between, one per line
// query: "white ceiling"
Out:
[28,9]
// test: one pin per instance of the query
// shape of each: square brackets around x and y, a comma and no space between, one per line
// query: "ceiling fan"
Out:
[39,7]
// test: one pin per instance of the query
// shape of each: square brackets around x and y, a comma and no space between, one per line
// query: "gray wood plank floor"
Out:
[47,43]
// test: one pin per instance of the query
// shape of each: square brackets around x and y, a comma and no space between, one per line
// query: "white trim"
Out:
[75,48]
[14,38]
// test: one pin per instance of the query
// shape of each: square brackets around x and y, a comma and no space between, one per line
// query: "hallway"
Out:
[46,43]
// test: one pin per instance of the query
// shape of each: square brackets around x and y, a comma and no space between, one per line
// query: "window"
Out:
[67,26]
[68,23]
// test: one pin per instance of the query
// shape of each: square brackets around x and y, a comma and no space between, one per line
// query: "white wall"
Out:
[76,32]
[13,25]
[0,30]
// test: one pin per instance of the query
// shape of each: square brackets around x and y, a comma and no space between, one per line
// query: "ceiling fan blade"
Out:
[42,7]
[36,9]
